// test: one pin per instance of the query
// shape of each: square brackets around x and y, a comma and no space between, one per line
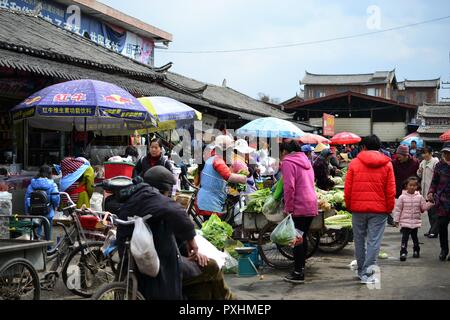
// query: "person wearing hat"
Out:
[78,180]
[244,162]
[440,193]
[44,182]
[405,166]
[215,177]
[308,151]
[322,170]
[184,272]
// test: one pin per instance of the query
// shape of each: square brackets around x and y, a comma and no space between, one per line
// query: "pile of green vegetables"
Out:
[217,231]
[257,200]
[343,219]
[331,198]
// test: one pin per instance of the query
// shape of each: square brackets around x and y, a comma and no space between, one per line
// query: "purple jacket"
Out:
[300,198]
[440,187]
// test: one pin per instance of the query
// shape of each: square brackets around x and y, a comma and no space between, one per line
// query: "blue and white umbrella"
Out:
[271,128]
[409,140]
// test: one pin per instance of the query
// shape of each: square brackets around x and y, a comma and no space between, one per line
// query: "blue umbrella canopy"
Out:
[408,141]
[100,105]
[271,128]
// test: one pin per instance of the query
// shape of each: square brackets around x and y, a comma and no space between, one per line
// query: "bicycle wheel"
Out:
[333,241]
[86,269]
[19,281]
[273,255]
[115,291]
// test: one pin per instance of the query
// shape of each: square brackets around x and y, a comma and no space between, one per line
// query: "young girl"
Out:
[407,214]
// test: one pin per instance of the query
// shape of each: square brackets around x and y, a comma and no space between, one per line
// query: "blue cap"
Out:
[307,148]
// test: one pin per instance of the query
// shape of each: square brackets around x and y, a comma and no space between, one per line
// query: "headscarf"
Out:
[72,169]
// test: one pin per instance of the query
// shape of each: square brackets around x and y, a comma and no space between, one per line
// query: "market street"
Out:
[329,277]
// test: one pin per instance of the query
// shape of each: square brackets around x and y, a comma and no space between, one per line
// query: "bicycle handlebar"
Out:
[130,222]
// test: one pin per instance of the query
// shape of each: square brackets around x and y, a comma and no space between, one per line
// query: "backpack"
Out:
[39,203]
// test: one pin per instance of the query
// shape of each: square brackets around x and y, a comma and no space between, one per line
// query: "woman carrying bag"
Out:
[300,199]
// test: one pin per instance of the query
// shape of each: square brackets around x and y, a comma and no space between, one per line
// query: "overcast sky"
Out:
[420,52]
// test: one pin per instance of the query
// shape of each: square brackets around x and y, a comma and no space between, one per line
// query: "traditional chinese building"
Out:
[100,23]
[435,120]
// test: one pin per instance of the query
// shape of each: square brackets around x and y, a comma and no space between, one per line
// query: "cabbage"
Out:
[216,231]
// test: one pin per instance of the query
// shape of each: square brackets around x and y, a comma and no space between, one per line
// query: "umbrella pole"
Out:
[85,133]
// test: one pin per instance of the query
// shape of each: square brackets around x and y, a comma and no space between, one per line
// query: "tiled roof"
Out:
[227,97]
[35,36]
[434,110]
[379,77]
[433,83]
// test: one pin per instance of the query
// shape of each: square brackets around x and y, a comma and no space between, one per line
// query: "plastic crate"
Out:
[89,222]
[118,169]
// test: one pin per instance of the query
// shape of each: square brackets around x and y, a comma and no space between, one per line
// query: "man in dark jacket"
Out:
[182,267]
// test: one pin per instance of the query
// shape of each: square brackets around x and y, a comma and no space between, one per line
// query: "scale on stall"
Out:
[246,267]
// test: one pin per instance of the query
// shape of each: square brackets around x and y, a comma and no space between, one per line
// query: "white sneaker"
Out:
[369,279]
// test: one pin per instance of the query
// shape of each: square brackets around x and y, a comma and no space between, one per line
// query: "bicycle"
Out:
[126,289]
[83,264]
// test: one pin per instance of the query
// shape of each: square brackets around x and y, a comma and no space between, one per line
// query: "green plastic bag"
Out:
[285,233]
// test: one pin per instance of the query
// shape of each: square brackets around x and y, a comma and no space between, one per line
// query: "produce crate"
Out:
[318,222]
[253,221]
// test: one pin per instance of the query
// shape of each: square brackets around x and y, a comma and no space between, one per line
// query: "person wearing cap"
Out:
[440,193]
[184,272]
[215,177]
[44,182]
[308,151]
[405,166]
[243,162]
[322,170]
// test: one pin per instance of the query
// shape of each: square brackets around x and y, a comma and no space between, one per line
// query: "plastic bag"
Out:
[97,201]
[273,210]
[231,265]
[206,248]
[285,233]
[143,249]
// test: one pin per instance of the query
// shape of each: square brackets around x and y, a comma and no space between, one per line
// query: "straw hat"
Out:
[242,146]
[320,147]
[224,142]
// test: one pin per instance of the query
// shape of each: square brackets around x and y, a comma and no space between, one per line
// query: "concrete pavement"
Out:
[328,276]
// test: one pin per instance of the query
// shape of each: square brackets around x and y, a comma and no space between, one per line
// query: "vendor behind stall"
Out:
[322,170]
[155,157]
[77,180]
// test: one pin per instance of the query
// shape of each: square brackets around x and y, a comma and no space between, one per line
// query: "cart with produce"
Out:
[337,231]
[21,260]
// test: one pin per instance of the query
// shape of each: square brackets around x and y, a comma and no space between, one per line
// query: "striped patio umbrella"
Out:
[169,113]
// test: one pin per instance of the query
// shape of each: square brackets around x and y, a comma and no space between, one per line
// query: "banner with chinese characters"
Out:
[71,18]
[328,125]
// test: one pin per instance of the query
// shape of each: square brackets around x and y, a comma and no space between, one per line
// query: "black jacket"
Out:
[170,226]
[143,165]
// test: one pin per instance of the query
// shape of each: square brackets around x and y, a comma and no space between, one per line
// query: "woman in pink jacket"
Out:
[300,199]
[408,214]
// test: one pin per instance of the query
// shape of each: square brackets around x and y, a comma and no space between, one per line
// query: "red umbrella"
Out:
[412,135]
[310,138]
[345,138]
[446,136]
